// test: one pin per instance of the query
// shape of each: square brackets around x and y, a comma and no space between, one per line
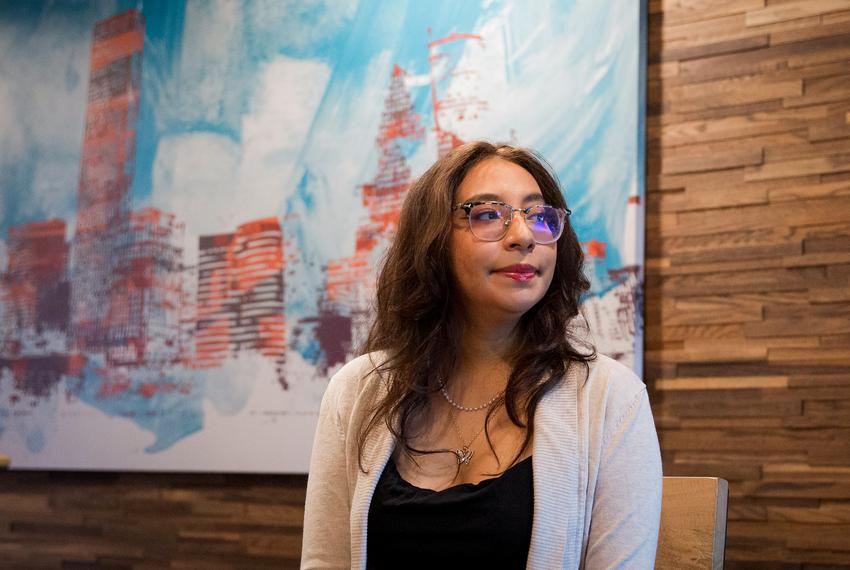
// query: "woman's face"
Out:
[500,279]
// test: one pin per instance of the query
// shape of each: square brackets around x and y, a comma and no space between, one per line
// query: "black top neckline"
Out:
[470,525]
[460,486]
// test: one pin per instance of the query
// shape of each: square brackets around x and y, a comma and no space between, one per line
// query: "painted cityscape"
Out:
[195,198]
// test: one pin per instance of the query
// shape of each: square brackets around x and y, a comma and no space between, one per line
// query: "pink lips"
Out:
[518,272]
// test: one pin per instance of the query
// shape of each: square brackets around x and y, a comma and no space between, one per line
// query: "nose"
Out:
[519,235]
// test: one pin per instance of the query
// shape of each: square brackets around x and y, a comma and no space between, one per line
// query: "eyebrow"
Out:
[496,198]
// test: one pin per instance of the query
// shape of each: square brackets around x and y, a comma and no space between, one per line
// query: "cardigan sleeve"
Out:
[626,511]
[325,542]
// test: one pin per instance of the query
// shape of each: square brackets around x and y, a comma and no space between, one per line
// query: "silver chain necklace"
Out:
[466,408]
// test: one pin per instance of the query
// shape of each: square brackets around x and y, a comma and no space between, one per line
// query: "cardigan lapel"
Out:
[558,494]
[377,452]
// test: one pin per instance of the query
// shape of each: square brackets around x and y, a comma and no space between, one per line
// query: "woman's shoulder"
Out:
[359,367]
[611,387]
[357,379]
[605,372]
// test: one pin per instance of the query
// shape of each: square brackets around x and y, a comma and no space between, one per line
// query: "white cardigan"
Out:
[596,472]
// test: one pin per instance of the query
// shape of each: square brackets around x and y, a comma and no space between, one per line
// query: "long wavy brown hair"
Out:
[418,326]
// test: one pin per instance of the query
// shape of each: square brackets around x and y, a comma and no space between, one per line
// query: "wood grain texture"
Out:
[143,520]
[748,267]
[693,524]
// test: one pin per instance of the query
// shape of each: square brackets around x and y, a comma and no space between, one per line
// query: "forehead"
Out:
[498,179]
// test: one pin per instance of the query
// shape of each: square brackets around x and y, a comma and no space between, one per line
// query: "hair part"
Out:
[418,328]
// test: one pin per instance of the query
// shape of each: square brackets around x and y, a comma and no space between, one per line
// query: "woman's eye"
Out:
[486,214]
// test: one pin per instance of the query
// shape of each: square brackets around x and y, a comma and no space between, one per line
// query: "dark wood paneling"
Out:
[138,520]
[748,269]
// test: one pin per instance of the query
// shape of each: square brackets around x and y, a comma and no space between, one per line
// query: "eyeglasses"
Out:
[489,220]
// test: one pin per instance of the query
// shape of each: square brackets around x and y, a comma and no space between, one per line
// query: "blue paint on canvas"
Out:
[268,127]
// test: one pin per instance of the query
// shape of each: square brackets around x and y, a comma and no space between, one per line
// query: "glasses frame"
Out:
[467,207]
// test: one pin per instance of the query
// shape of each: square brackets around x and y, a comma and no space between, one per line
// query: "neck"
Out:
[483,360]
[485,343]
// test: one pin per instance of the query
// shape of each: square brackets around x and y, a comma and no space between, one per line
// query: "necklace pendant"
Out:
[463,456]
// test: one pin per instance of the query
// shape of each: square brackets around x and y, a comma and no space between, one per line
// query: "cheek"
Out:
[468,262]
[550,264]
[548,279]
[549,257]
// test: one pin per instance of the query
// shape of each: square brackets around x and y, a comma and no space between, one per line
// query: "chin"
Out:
[518,306]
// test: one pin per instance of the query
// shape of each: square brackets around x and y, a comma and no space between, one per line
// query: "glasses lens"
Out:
[487,221]
[546,223]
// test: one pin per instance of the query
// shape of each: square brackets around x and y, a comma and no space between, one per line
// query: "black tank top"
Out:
[472,525]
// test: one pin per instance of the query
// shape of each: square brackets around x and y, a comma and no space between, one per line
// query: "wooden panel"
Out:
[693,524]
[821,90]
[815,212]
[681,11]
[674,55]
[723,383]
[823,29]
[794,10]
[672,334]
[718,157]
[726,28]
[737,126]
[795,327]
[723,93]
[782,169]
[826,513]
[111,520]
[711,310]
[829,52]
[748,267]
[812,190]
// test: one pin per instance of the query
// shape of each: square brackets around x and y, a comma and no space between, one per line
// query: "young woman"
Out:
[477,431]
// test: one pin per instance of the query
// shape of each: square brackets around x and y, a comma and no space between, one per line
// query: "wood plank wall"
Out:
[748,266]
[150,521]
[748,319]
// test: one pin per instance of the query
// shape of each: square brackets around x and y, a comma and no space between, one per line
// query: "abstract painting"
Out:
[195,196]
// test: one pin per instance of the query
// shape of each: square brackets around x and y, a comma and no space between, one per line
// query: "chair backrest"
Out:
[4,461]
[693,523]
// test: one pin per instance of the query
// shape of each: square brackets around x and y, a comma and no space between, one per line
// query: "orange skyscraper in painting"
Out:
[106,172]
[240,295]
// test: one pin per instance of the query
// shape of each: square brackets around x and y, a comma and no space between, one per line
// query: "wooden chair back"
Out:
[693,523]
